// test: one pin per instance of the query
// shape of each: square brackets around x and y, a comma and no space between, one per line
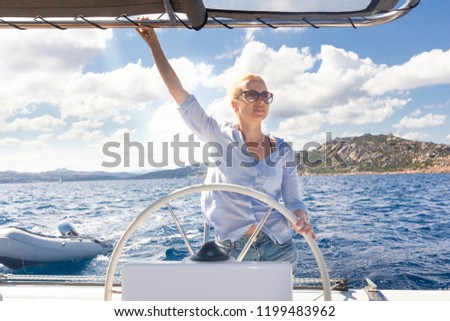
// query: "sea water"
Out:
[393,229]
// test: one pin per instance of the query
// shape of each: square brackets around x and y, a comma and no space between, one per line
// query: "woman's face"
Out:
[251,110]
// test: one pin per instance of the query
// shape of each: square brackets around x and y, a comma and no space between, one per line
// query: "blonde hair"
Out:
[241,82]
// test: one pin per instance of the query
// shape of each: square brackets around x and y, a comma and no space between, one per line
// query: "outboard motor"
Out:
[67,230]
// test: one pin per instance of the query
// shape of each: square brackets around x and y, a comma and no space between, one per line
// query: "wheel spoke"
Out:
[180,229]
[253,236]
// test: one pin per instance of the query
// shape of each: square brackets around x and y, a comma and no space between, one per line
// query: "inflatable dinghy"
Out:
[20,248]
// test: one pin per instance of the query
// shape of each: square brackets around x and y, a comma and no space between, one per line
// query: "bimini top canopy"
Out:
[196,14]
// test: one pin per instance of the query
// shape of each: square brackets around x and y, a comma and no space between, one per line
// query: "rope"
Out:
[183,23]
[351,21]
[90,22]
[337,284]
[310,23]
[129,20]
[221,23]
[12,24]
[49,23]
[60,279]
[266,23]
[298,283]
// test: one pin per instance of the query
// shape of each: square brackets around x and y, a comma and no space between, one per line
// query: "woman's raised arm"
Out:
[166,71]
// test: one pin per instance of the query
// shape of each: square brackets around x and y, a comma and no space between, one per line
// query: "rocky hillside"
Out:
[375,153]
[349,155]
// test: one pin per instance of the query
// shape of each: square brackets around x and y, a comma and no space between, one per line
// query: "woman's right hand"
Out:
[302,225]
[147,33]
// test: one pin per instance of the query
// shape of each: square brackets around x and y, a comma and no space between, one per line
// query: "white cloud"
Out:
[8,141]
[339,78]
[312,91]
[81,135]
[429,120]
[300,129]
[350,132]
[290,30]
[250,34]
[106,95]
[425,69]
[37,67]
[221,110]
[299,90]
[166,128]
[274,66]
[228,54]
[45,123]
[278,68]
[414,136]
[34,146]
[364,110]
[335,91]
[83,130]
[114,94]
[166,123]
[37,156]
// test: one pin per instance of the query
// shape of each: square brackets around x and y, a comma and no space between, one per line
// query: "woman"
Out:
[251,159]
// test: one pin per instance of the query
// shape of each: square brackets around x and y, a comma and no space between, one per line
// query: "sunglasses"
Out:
[253,95]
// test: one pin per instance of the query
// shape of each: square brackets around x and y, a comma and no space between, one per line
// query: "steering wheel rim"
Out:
[201,188]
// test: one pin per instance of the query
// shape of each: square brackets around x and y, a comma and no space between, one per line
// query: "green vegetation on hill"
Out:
[374,153]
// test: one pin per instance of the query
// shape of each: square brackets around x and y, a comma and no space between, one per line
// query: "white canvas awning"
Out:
[197,14]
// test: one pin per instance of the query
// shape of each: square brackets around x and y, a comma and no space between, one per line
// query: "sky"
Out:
[81,99]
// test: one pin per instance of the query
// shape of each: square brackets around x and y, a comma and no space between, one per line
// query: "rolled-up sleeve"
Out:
[204,126]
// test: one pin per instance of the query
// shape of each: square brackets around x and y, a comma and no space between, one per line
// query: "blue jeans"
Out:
[262,249]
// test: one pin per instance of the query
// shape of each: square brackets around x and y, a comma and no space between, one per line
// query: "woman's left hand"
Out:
[302,226]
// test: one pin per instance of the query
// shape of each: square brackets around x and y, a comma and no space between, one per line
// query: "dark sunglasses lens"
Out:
[251,95]
[267,97]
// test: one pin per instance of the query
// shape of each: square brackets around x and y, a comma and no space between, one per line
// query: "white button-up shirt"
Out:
[233,214]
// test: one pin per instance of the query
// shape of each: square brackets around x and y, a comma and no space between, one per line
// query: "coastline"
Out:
[430,170]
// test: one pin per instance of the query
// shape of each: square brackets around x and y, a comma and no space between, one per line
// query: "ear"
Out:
[234,105]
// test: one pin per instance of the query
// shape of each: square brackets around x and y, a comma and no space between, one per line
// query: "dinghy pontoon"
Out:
[20,248]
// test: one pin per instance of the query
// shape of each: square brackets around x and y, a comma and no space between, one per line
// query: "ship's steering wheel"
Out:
[217,187]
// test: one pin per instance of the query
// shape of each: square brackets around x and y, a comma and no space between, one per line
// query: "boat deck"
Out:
[16,291]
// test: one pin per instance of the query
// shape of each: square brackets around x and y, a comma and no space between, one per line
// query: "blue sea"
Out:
[393,229]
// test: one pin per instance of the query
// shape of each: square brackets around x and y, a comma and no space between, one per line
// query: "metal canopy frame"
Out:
[191,14]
